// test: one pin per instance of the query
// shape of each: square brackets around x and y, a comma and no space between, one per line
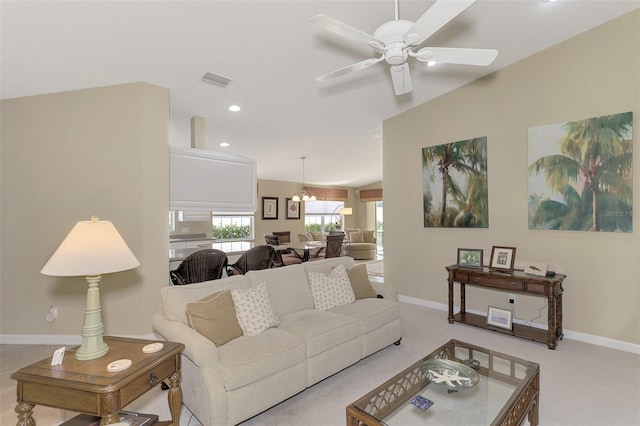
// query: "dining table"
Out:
[302,247]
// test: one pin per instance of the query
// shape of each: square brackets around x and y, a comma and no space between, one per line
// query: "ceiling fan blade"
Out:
[456,55]
[349,69]
[401,77]
[340,28]
[436,17]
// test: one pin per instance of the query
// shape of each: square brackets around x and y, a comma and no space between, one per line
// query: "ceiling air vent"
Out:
[216,79]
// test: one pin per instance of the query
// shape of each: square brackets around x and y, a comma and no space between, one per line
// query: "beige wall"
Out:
[283,190]
[65,157]
[596,73]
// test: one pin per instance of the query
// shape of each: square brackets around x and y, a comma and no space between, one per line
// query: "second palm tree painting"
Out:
[580,175]
[454,179]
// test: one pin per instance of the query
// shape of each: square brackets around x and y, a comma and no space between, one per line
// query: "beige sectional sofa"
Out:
[228,383]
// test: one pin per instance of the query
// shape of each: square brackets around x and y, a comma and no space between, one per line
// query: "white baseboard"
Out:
[568,334]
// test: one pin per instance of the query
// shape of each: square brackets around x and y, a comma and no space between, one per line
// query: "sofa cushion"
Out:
[288,288]
[359,279]
[371,313]
[331,290]
[305,237]
[174,298]
[356,237]
[246,360]
[317,236]
[253,309]
[322,330]
[215,318]
[368,236]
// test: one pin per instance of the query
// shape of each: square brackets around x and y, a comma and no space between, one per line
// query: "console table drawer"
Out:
[506,283]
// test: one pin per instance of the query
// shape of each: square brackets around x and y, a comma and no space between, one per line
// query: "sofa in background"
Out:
[361,245]
[307,330]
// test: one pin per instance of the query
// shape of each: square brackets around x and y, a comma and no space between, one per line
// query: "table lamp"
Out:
[91,248]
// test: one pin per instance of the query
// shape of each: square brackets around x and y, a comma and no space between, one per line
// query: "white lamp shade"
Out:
[346,211]
[91,248]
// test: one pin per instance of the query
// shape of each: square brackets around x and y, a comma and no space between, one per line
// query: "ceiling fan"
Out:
[397,40]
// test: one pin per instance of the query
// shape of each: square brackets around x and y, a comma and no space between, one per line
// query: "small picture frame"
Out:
[269,208]
[502,258]
[293,209]
[470,258]
[501,318]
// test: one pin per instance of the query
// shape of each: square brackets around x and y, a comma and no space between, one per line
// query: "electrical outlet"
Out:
[184,229]
[512,298]
[52,315]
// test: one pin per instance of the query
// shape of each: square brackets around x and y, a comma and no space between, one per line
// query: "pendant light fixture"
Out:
[303,195]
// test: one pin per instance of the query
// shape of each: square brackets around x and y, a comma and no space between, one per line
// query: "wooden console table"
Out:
[87,386]
[516,282]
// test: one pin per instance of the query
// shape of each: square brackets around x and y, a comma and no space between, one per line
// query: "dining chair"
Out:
[333,247]
[256,258]
[283,236]
[203,265]
[282,257]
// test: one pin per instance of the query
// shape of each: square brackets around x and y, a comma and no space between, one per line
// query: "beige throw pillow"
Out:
[368,236]
[356,237]
[317,236]
[329,291]
[359,279]
[215,318]
[254,310]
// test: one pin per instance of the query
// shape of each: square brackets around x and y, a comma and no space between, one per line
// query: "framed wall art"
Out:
[269,208]
[502,258]
[581,175]
[470,258]
[293,209]
[454,185]
[499,318]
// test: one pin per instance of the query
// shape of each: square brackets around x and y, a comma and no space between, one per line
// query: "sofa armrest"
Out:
[197,348]
[387,291]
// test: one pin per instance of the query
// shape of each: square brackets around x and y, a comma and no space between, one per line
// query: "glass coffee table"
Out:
[457,384]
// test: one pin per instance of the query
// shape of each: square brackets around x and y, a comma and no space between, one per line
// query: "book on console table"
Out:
[128,417]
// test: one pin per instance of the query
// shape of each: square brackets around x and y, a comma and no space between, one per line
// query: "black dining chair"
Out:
[203,265]
[333,247]
[256,258]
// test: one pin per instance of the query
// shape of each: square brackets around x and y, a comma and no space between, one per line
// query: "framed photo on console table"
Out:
[499,318]
[502,258]
[470,258]
[269,208]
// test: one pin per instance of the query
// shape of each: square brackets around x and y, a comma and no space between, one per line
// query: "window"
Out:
[323,216]
[172,221]
[232,226]
[379,222]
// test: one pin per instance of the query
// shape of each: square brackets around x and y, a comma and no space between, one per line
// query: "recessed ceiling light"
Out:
[225,144]
[234,108]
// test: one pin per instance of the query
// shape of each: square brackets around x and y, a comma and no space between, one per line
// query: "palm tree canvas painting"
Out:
[454,179]
[580,175]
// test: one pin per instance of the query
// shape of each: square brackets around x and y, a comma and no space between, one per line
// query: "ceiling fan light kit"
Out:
[396,41]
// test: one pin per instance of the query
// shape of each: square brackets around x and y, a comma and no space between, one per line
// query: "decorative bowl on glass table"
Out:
[450,374]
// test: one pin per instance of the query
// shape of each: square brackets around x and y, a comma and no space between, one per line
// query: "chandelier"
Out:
[303,195]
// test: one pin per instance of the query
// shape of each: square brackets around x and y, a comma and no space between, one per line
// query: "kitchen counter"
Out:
[230,248]
[180,238]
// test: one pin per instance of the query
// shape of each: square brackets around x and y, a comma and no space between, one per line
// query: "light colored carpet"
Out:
[376,268]
[581,384]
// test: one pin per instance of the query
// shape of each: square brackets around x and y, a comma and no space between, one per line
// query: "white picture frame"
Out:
[500,318]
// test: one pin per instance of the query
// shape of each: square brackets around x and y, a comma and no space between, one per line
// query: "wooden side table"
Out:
[87,386]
